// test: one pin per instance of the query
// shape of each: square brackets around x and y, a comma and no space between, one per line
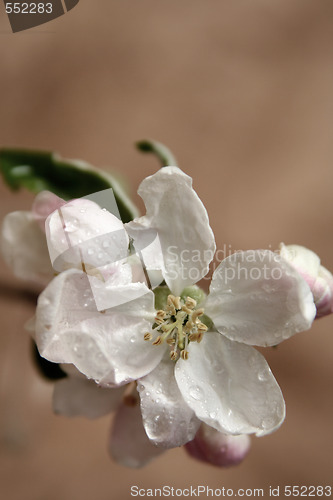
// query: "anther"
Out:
[175,301]
[174,355]
[197,313]
[171,341]
[158,341]
[160,314]
[190,303]
[186,309]
[148,336]
[200,337]
[202,327]
[184,354]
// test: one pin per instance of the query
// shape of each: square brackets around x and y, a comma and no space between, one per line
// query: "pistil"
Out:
[178,325]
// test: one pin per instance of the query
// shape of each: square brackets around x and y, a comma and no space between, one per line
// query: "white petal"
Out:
[175,211]
[81,232]
[106,346]
[168,420]
[129,444]
[76,396]
[230,386]
[24,247]
[303,260]
[258,298]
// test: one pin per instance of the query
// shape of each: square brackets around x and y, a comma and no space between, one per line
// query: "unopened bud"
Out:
[217,448]
[319,279]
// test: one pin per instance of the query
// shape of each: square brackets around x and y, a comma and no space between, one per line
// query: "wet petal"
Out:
[216,448]
[79,396]
[230,387]
[258,298]
[176,213]
[107,346]
[82,233]
[168,420]
[128,443]
[24,247]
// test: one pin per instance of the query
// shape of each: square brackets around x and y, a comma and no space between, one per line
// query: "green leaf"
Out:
[69,179]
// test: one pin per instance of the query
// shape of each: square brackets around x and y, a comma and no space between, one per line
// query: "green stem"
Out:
[162,152]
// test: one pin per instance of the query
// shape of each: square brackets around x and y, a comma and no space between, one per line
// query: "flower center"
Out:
[177,325]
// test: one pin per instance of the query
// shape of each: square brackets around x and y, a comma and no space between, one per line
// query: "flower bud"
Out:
[217,448]
[319,279]
[44,204]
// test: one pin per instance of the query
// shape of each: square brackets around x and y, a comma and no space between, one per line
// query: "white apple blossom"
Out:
[186,375]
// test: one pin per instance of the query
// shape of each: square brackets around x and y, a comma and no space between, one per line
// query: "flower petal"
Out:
[44,204]
[216,448]
[168,420]
[24,247]
[107,346]
[78,396]
[258,298]
[128,443]
[230,386]
[175,211]
[82,233]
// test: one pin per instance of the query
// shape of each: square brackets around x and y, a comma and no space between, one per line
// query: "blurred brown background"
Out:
[241,91]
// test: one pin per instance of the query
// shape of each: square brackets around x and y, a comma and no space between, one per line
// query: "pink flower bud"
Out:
[217,448]
[44,204]
[319,279]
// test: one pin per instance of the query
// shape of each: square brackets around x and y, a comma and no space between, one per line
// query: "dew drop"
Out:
[267,423]
[212,414]
[196,393]
[262,376]
[90,251]
[156,418]
[132,339]
[105,244]
[71,226]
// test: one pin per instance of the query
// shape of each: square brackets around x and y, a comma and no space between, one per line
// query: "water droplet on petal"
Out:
[90,251]
[71,226]
[262,376]
[267,423]
[196,393]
